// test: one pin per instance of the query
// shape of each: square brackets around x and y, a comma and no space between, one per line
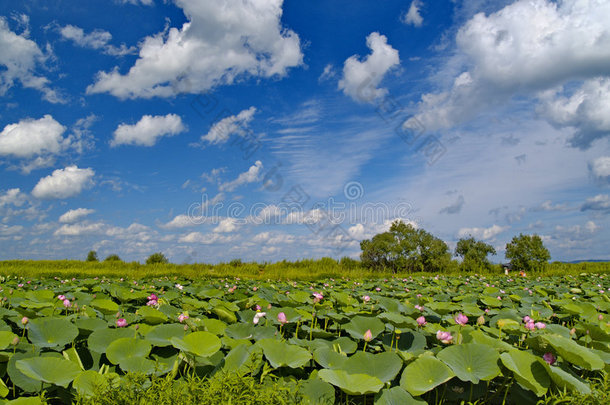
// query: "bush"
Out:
[527,253]
[92,256]
[157,258]
[113,258]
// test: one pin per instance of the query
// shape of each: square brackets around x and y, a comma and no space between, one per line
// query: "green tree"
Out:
[527,253]
[92,256]
[404,247]
[474,254]
[157,258]
[113,258]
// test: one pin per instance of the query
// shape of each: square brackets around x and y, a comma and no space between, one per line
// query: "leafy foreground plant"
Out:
[222,388]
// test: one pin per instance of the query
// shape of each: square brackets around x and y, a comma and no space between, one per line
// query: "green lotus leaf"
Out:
[88,325]
[138,365]
[72,355]
[328,358]
[21,380]
[567,380]
[282,354]
[105,306]
[202,344]
[161,335]
[317,392]
[476,336]
[424,374]
[244,359]
[50,370]
[127,348]
[471,361]
[396,396]
[51,332]
[573,352]
[152,316]
[215,326]
[352,384]
[88,383]
[25,401]
[385,366]
[358,326]
[6,339]
[3,389]
[99,340]
[224,314]
[528,369]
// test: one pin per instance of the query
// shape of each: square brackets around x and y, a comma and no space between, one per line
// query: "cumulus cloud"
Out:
[37,142]
[600,169]
[221,42]
[481,233]
[251,176]
[97,39]
[586,109]
[600,203]
[79,229]
[530,48]
[549,206]
[75,215]
[64,183]
[12,196]
[31,137]
[180,221]
[222,130]
[148,130]
[227,225]
[20,59]
[413,17]
[138,2]
[206,239]
[361,78]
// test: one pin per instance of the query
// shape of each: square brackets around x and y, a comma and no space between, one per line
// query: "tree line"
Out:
[406,248]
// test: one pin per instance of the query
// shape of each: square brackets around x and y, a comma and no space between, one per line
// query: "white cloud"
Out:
[221,42]
[481,233]
[251,176]
[64,183]
[270,250]
[147,131]
[600,169]
[12,196]
[413,17]
[587,110]
[526,48]
[31,137]
[269,238]
[328,73]
[206,239]
[361,78]
[600,202]
[79,229]
[222,130]
[180,221]
[20,58]
[138,2]
[6,230]
[75,215]
[97,39]
[227,225]
[548,206]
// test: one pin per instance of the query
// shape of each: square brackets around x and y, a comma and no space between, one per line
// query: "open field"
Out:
[350,339]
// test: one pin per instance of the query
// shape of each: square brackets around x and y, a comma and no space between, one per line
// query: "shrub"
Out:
[92,256]
[157,258]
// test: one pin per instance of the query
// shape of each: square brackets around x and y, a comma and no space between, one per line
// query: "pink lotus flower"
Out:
[377,289]
[152,303]
[281,318]
[152,297]
[530,325]
[527,319]
[257,307]
[61,297]
[318,296]
[25,320]
[600,317]
[121,323]
[421,321]
[419,307]
[67,303]
[540,325]
[444,337]
[368,336]
[549,358]
[182,317]
[366,298]
[461,319]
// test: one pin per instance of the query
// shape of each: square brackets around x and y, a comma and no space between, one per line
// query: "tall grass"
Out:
[284,270]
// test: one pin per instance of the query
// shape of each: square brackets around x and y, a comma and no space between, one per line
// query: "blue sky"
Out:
[268,130]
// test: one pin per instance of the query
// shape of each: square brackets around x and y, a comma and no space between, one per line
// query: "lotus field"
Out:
[420,339]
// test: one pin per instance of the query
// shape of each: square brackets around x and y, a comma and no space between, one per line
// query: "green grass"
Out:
[284,270]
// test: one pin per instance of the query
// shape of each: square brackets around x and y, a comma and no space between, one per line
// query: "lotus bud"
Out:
[368,336]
